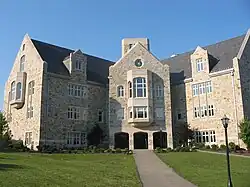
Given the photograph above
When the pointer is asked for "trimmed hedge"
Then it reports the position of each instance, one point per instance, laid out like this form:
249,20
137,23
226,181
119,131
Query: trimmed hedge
177,149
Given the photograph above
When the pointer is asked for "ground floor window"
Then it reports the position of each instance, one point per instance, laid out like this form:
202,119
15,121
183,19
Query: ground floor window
28,138
75,138
205,136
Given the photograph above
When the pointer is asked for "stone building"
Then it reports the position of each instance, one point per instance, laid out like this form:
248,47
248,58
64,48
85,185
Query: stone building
55,95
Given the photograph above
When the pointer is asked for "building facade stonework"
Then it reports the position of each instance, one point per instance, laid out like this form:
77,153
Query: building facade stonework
55,96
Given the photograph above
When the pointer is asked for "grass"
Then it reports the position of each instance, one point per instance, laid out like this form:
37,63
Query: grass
61,170
208,169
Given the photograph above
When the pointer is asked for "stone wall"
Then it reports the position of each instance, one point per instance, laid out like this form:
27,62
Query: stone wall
33,66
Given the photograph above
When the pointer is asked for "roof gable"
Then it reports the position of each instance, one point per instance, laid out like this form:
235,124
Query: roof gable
221,55
97,68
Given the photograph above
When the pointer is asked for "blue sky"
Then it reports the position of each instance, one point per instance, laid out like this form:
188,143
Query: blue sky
97,26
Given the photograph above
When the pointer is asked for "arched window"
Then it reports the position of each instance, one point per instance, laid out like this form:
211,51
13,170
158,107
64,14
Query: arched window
22,60
139,84
31,87
130,89
13,90
120,91
18,90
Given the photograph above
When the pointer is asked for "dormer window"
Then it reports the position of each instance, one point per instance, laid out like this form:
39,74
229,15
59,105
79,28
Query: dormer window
78,65
120,91
199,65
22,61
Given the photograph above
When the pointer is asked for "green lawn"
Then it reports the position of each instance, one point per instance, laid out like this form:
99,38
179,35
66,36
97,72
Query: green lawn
54,170
208,170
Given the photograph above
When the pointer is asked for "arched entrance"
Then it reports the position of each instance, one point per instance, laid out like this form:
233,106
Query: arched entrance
121,140
160,139
140,140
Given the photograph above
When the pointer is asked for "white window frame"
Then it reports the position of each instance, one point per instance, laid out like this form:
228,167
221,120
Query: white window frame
210,110
74,138
130,89
199,64
100,116
30,112
18,90
209,87
78,65
198,136
22,62
140,110
195,88
28,138
76,90
13,90
140,86
212,135
130,111
120,91
159,91
74,113
202,88
31,89
196,112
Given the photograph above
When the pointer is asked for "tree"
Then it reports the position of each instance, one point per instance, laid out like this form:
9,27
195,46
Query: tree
5,133
184,133
245,132
95,136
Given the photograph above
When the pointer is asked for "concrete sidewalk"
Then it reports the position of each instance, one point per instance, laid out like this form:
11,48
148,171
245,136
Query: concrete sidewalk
154,173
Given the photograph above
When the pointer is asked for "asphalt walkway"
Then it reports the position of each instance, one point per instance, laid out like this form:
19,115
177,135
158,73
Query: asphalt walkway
154,173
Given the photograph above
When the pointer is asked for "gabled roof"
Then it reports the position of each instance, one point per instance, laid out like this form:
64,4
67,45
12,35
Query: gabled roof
220,57
97,68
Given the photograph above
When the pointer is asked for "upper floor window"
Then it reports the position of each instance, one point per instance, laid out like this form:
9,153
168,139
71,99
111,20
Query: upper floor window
74,113
158,91
199,64
139,85
23,48
13,90
202,88
18,90
100,116
203,111
78,65
22,61
130,89
140,112
130,46
76,90
120,91
31,86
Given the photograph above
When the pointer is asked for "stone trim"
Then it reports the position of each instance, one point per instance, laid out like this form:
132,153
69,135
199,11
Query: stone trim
58,75
222,72
243,45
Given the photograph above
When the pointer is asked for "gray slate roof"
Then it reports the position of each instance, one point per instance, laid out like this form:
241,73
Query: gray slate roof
97,68
220,58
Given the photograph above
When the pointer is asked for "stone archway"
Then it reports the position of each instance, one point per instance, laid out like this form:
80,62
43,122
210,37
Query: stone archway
121,140
140,140
160,139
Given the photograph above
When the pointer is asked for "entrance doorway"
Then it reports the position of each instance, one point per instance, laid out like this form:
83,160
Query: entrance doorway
121,140
140,140
160,139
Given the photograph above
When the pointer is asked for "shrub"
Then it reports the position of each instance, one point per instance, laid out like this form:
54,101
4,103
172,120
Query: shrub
118,150
245,132
130,152
223,147
199,145
177,149
207,147
214,147
169,149
158,149
231,145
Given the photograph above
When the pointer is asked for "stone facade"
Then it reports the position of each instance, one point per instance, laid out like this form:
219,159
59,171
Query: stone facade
61,108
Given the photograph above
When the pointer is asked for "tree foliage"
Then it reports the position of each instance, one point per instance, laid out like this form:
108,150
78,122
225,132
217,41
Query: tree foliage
245,132
184,133
95,136
5,133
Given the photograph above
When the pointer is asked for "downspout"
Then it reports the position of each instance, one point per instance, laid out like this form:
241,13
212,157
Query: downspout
235,106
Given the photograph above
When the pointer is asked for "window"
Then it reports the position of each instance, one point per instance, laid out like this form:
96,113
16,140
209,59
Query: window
140,112
30,112
198,137
130,112
31,86
212,136
179,116
209,87
100,116
120,91
159,113
202,88
76,90
13,90
120,114
28,138
18,90
207,136
158,91
139,85
74,113
130,46
196,112
78,65
22,61
199,64
74,138
203,111
23,48
210,110
130,89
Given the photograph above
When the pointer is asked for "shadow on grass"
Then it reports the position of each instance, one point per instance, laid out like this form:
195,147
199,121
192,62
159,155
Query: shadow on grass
4,167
